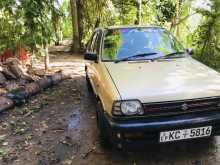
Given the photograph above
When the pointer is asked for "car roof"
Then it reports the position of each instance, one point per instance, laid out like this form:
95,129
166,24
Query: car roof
127,27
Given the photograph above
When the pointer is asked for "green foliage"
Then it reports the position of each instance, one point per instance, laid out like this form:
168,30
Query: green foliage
101,16
36,23
11,24
38,29
207,36
66,20
166,11
25,21
127,11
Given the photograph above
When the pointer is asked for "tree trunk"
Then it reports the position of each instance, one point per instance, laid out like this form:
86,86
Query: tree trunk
80,21
46,57
122,12
56,20
139,12
75,26
178,17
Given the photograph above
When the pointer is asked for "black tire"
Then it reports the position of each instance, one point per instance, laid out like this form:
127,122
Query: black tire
105,133
102,126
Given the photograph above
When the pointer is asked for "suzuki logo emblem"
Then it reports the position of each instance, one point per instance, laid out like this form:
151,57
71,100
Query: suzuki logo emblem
185,107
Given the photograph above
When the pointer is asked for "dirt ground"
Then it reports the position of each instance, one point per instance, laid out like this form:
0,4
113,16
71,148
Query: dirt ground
58,127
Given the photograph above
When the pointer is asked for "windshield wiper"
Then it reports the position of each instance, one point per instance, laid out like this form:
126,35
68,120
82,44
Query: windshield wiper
134,56
170,55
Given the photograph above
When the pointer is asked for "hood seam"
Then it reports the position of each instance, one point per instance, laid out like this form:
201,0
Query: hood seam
113,81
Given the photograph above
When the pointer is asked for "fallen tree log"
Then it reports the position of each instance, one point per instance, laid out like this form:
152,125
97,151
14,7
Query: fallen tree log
11,86
18,96
22,94
2,79
8,74
32,89
15,66
2,91
57,77
45,82
5,103
13,69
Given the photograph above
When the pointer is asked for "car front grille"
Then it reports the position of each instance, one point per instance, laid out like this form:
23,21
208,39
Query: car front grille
182,107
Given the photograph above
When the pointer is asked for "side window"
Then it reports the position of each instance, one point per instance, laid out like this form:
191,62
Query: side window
98,42
93,43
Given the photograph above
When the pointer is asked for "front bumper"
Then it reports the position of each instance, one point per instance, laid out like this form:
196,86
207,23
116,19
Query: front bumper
149,129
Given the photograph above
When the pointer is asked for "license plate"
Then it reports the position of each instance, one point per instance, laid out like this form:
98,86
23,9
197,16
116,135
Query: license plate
182,134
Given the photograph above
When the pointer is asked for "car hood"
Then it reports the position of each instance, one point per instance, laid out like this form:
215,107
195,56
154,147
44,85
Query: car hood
164,80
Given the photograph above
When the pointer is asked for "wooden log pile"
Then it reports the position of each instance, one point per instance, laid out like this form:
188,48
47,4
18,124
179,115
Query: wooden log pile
12,69
18,84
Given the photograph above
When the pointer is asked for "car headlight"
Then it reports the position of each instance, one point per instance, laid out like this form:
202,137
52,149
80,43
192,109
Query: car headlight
128,108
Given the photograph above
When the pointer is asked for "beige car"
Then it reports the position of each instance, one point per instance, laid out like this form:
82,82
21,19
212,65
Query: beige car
149,88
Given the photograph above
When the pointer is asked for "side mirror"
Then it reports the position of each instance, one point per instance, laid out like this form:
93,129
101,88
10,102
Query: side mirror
91,56
190,51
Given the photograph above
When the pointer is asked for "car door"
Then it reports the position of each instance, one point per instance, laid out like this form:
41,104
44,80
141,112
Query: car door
92,67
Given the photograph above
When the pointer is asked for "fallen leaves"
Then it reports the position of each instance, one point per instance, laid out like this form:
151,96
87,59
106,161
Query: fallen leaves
39,127
18,127
44,127
3,152
2,137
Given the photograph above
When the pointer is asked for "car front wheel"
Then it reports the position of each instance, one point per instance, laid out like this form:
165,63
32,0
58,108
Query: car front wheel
101,124
107,137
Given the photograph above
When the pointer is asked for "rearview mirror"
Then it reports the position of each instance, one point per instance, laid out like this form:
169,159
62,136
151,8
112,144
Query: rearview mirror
91,56
189,51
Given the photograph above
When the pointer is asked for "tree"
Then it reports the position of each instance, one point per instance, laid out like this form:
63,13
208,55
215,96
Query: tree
38,32
75,25
11,24
207,37
26,22
57,20
166,11
86,16
36,23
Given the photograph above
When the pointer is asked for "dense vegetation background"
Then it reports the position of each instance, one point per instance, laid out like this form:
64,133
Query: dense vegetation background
35,24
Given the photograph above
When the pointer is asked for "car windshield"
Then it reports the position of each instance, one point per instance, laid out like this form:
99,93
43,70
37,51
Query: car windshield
130,42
